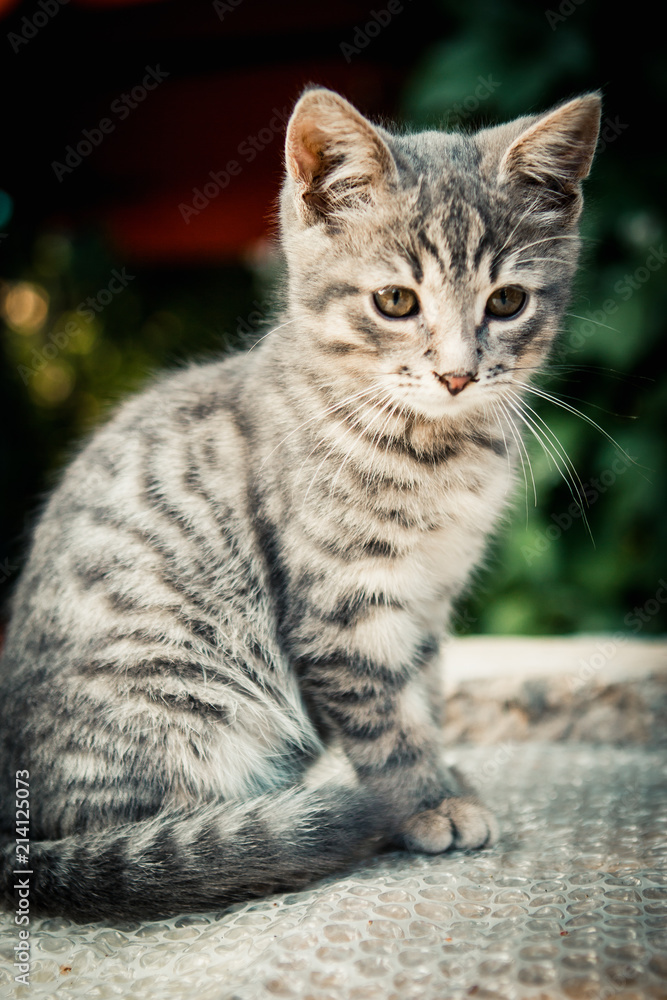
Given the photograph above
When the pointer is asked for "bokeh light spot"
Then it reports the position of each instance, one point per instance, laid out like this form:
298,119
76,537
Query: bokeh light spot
25,306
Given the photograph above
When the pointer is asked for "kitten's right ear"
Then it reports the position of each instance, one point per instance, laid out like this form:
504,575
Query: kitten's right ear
559,146
335,157
553,154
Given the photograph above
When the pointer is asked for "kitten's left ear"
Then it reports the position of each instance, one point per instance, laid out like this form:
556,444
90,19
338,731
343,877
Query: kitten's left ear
335,157
556,150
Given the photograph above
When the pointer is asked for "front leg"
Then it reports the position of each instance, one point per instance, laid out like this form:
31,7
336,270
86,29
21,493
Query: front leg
383,720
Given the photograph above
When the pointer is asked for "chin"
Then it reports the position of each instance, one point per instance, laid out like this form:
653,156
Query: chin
445,407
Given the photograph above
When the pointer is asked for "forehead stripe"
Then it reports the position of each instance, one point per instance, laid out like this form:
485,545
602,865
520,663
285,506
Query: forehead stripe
430,248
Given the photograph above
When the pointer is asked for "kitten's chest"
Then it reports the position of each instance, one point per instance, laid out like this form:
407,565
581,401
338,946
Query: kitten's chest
375,579
451,512
457,513
429,543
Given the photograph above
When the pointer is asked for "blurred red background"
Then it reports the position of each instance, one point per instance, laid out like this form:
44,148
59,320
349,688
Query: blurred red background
228,67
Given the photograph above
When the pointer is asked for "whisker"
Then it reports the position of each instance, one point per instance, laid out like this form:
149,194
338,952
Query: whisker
535,260
588,319
502,431
599,369
351,429
546,239
274,330
520,444
559,371
318,416
602,409
577,413
525,215
366,395
378,403
568,473
348,453
556,442
378,435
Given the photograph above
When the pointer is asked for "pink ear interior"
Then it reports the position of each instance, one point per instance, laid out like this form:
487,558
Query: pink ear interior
304,148
330,143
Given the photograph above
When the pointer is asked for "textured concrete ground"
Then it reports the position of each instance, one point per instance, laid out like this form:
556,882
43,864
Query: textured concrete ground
571,903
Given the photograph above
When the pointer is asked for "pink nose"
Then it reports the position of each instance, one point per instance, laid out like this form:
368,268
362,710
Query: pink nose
455,383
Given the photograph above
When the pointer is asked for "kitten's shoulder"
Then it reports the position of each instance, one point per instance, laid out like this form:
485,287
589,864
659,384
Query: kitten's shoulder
183,396
174,410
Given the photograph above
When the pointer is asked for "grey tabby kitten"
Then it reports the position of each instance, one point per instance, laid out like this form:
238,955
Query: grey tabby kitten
221,671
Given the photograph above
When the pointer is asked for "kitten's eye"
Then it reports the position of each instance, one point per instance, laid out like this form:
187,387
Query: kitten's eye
506,302
396,302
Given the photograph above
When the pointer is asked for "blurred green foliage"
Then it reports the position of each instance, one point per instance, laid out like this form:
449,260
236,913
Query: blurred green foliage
67,361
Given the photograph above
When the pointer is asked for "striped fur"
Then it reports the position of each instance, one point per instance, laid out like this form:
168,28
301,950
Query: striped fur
221,666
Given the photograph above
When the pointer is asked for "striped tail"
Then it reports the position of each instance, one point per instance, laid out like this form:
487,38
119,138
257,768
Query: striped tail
204,859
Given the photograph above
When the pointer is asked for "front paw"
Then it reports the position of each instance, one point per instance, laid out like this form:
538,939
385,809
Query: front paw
456,822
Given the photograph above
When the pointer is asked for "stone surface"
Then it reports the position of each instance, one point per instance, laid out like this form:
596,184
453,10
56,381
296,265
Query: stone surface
595,689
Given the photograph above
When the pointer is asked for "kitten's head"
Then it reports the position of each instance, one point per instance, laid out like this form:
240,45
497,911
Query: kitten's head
429,264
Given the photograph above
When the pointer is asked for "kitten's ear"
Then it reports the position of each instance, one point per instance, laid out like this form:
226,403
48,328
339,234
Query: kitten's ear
556,150
334,156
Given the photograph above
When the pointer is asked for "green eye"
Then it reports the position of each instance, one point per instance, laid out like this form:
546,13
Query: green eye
506,302
396,302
